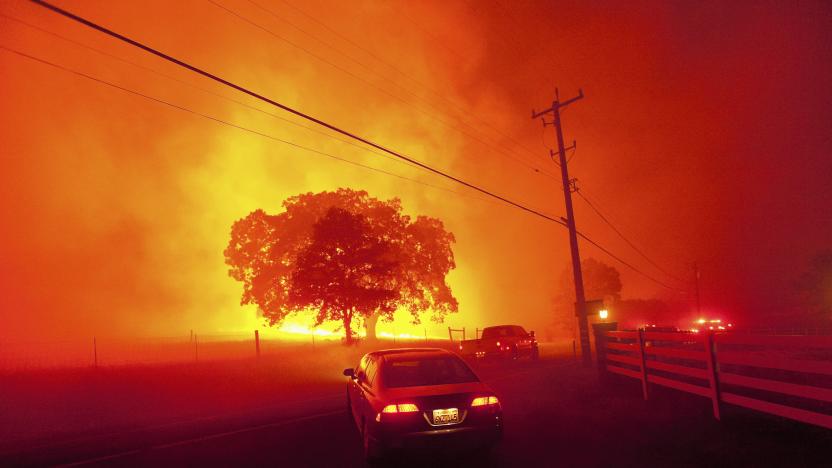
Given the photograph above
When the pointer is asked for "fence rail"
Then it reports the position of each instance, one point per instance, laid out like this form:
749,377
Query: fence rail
787,376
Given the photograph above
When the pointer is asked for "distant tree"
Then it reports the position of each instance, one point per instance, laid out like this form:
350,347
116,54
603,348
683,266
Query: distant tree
601,281
815,289
349,256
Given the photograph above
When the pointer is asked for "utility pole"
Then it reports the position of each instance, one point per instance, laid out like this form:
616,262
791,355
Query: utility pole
568,188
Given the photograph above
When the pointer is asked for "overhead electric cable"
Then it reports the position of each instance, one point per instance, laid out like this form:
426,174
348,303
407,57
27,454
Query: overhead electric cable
621,235
627,264
227,123
394,68
389,93
291,110
206,91
332,127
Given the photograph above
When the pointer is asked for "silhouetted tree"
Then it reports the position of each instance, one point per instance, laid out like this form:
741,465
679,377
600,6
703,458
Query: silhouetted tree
345,254
815,289
601,281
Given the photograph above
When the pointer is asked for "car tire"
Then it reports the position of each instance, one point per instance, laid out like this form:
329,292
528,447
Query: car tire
372,451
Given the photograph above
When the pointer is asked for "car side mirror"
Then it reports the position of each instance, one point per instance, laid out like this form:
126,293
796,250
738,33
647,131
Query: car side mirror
349,372
531,333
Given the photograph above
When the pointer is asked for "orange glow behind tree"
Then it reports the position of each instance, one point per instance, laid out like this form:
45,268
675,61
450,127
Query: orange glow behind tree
704,137
345,255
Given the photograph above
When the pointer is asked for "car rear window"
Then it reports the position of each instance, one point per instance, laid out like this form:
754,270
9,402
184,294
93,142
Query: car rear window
437,370
508,330
497,332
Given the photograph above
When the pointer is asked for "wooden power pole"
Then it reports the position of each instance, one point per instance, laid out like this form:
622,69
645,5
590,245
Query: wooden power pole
568,188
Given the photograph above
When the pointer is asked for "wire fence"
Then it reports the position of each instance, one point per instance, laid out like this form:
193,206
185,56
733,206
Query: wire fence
111,351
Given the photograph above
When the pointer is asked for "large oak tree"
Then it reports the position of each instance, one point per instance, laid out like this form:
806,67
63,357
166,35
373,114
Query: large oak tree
345,255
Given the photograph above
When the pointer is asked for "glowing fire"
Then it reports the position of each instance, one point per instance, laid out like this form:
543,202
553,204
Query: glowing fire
297,330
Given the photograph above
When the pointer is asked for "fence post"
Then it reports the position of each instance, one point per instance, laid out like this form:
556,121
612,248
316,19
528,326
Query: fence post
257,342
713,373
426,336
644,387
600,350
450,336
463,333
196,348
95,353
313,339
600,331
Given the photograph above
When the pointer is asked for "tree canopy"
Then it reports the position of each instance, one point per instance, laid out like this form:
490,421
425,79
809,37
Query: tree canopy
815,289
601,281
345,255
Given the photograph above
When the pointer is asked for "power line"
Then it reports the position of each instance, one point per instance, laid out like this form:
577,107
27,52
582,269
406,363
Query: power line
227,123
620,234
248,106
286,108
212,93
322,123
385,91
287,142
391,66
627,264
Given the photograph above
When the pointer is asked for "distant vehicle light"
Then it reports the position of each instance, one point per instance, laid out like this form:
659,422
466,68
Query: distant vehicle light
721,327
460,347
700,320
485,401
401,408
730,324
498,344
603,314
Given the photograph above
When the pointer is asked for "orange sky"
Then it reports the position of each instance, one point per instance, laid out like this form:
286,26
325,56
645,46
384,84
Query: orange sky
703,135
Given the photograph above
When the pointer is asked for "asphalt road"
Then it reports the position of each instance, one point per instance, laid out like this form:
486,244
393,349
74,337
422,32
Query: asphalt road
555,415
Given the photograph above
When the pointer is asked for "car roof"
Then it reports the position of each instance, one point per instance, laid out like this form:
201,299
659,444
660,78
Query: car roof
410,353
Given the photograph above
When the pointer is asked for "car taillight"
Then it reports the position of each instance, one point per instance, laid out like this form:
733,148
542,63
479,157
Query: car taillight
401,408
485,401
498,344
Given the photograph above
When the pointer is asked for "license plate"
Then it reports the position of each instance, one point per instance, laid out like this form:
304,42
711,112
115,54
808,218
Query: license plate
445,416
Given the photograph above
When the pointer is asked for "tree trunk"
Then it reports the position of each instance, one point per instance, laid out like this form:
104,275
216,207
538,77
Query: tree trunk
347,330
370,326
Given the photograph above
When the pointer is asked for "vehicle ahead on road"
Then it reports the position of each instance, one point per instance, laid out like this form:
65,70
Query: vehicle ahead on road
419,398
503,341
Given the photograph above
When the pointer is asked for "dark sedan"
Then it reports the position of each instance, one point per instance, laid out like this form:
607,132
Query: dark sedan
420,397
